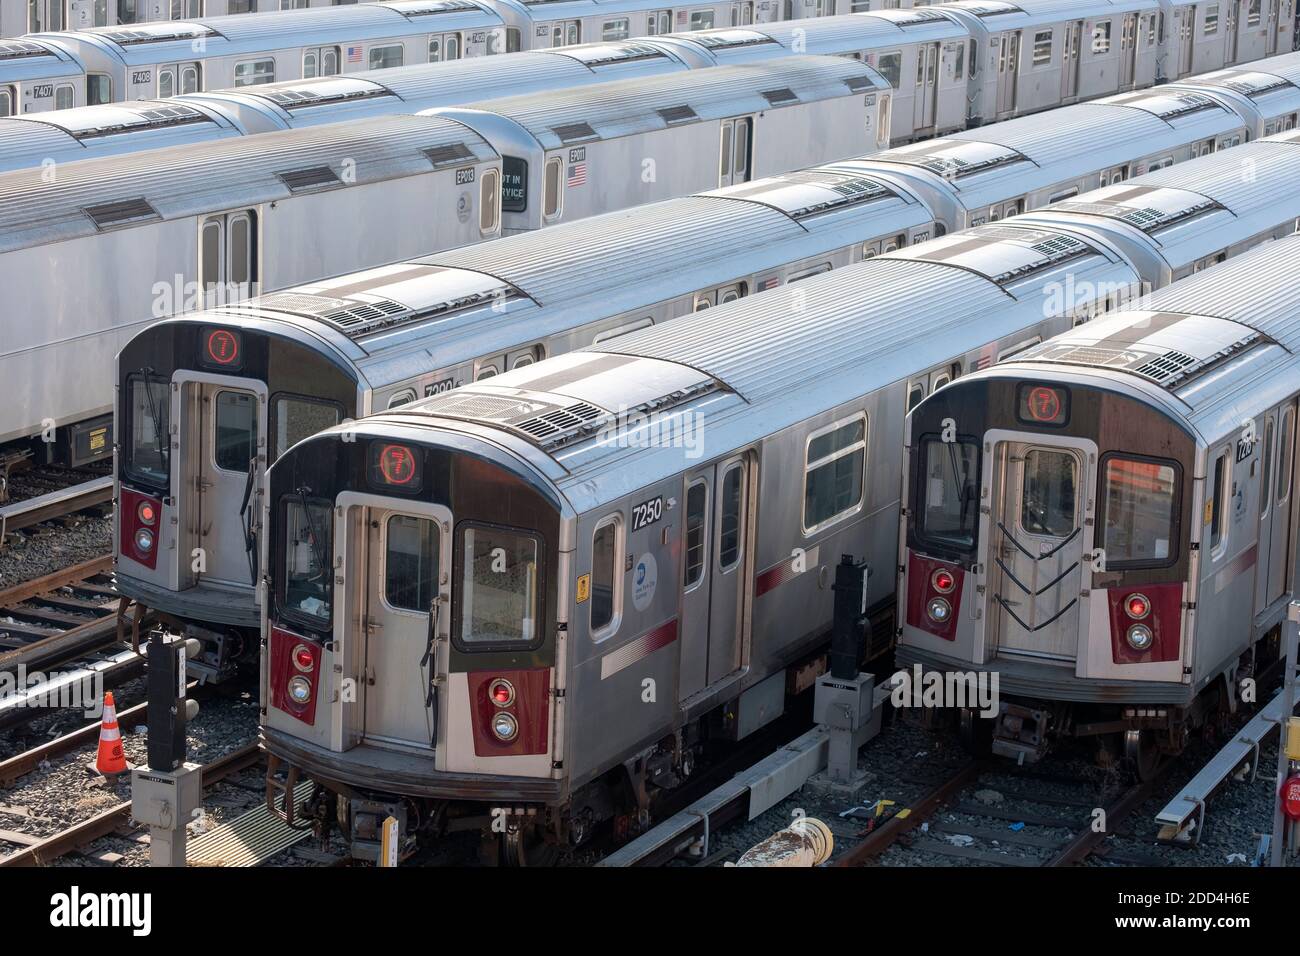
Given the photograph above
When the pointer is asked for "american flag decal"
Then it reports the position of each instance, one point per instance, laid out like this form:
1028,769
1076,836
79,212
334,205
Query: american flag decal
578,175
354,54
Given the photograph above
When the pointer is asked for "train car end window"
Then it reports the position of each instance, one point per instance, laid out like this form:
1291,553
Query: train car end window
299,418
7,101
411,550
606,579
1140,501
948,489
149,422
552,201
499,600
235,435
834,467
99,89
307,588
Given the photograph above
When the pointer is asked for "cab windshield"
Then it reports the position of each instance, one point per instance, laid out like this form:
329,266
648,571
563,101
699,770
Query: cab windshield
147,413
949,493
499,592
308,545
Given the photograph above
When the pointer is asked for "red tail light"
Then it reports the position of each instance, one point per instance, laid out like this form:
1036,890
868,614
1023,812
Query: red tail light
139,527
293,674
933,596
1146,625
511,712
1137,606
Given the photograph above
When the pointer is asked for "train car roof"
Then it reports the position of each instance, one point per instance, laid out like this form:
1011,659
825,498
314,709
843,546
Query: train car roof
1005,15
87,131
449,83
1272,84
749,368
1052,147
30,58
562,117
97,195
166,40
1214,350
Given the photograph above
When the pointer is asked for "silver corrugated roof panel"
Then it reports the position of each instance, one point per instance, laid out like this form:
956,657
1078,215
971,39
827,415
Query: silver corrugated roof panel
1050,137
185,180
1231,177
24,143
630,106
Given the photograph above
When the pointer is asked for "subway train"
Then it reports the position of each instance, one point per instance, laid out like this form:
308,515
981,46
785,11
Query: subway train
476,312
209,223
1040,54
1110,528
582,18
533,604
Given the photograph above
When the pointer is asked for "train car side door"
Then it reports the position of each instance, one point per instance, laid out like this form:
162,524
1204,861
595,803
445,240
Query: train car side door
408,552
1128,51
1041,504
927,86
1070,60
1281,547
697,577
1186,41
1008,70
729,556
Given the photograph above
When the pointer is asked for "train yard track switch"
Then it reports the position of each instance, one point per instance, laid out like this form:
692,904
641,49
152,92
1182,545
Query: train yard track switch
845,699
165,794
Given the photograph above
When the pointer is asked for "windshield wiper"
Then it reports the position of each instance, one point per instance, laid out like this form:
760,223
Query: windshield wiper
155,412
311,529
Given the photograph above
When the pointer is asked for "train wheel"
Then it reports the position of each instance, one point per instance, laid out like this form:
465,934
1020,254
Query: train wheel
527,846
1142,752
976,733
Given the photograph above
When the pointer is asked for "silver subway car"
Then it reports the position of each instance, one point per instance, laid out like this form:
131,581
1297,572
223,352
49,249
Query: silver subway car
1137,536
552,592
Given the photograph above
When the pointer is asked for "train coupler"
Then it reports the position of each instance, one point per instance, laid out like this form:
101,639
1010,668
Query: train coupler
1020,733
367,819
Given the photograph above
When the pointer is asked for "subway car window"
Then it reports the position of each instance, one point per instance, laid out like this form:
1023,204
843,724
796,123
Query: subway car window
1047,502
950,488
411,563
99,89
299,418
308,550
1219,490
604,574
1286,455
499,597
149,415
1141,505
729,525
236,431
697,523
833,470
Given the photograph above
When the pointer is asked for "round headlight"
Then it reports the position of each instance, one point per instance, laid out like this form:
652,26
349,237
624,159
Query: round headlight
943,580
505,726
939,610
1140,637
1137,606
303,658
147,512
144,540
502,692
299,690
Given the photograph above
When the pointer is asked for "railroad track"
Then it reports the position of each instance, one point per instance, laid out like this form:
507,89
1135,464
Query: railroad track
41,851
983,815
60,503
71,622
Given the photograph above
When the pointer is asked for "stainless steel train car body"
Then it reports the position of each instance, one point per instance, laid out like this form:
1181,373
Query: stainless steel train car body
38,75
622,603
163,59
1185,408
568,154
18,17
453,318
258,203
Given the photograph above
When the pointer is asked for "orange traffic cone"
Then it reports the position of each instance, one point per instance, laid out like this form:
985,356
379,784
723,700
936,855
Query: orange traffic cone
110,760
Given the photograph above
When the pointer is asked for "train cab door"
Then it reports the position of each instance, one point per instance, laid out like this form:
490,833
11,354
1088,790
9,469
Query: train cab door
1008,70
405,619
1041,505
224,430
716,535
927,86
1070,60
